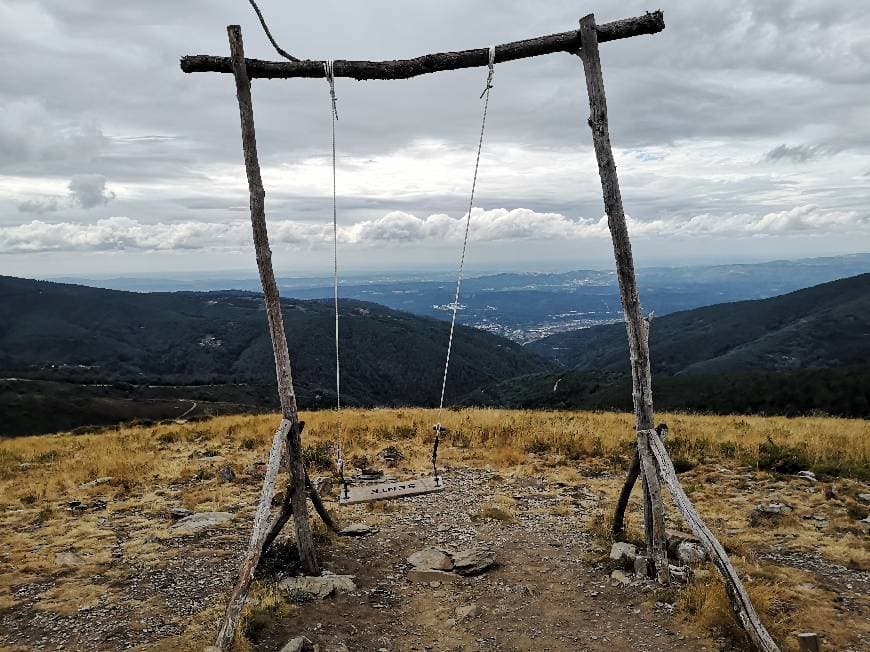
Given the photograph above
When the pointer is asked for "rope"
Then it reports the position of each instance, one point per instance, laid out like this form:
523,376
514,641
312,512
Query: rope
330,77
485,94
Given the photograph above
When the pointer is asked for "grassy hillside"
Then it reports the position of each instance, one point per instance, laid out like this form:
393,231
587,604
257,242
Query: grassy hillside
73,333
68,576
824,326
841,391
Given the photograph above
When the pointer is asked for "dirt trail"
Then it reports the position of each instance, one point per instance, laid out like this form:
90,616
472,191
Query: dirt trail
544,594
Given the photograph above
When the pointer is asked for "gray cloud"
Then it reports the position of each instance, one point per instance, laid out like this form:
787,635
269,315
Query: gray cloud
89,190
797,153
712,109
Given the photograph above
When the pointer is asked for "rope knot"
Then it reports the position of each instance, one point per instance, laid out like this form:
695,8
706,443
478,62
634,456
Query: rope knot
329,73
491,71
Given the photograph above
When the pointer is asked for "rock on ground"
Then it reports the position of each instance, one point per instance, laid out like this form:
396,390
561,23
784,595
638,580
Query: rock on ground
358,530
473,561
201,521
298,644
624,553
691,553
431,559
317,587
467,612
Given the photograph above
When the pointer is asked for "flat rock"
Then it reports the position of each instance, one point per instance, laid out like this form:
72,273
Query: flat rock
467,612
358,530
431,559
68,559
619,578
809,476
473,561
624,553
691,553
227,474
675,537
96,482
768,512
317,586
864,498
429,576
298,644
201,521
177,513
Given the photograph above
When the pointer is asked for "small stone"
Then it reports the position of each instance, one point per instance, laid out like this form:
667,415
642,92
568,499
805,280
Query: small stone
768,513
624,553
298,644
473,561
619,578
358,530
809,476
435,584
431,559
227,474
97,482
691,553
322,485
675,537
864,498
641,566
426,576
467,613
177,513
317,586
201,521
68,559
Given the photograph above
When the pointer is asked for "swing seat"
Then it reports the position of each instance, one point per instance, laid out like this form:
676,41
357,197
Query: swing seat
388,490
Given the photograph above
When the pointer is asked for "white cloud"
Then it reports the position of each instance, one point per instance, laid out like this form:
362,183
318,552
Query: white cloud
518,224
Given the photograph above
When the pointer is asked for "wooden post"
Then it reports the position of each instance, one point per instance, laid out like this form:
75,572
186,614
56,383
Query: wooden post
636,326
289,433
737,595
809,642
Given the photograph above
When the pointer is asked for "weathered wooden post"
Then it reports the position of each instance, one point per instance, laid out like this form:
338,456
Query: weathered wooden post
288,433
636,326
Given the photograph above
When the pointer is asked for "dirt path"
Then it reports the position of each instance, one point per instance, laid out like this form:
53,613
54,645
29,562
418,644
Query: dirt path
544,594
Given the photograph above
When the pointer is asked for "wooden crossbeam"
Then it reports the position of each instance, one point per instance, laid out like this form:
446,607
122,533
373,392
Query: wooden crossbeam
650,23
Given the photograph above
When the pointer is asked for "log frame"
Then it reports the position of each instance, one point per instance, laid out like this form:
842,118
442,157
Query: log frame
741,605
650,23
636,326
288,434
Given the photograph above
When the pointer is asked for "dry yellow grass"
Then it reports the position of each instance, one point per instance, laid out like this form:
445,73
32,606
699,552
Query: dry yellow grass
152,467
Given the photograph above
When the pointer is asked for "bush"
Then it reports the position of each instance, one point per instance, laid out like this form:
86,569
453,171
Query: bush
782,458
319,456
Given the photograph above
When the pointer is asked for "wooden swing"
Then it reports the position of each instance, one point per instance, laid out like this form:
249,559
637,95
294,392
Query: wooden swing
652,463
364,492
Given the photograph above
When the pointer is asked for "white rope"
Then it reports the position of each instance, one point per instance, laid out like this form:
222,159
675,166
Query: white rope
484,94
330,77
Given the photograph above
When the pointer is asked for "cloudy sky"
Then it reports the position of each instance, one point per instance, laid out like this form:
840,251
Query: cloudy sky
742,132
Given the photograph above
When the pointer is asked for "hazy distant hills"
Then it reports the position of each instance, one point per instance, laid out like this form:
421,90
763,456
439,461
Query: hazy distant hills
803,352
823,326
530,305
75,333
